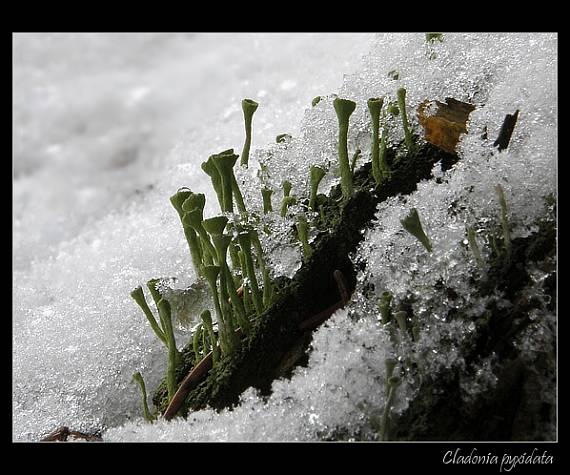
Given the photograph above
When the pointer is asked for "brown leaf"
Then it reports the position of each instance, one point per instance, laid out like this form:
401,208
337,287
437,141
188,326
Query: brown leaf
444,128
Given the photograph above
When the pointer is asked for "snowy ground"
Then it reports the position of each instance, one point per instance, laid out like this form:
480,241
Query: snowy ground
107,127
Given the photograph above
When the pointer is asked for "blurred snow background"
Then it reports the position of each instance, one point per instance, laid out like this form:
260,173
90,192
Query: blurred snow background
108,126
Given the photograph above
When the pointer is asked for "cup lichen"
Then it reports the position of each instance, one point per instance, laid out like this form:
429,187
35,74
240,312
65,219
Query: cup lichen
344,109
249,106
412,224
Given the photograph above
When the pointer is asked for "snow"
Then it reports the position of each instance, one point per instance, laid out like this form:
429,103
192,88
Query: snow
97,130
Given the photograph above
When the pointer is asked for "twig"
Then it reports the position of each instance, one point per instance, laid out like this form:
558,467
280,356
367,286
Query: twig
61,434
191,380
506,132
342,286
313,322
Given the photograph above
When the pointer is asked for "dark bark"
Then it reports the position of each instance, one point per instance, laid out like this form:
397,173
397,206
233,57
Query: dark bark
506,132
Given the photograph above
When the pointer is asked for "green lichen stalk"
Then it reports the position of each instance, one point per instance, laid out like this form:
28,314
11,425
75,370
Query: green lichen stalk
472,240
246,294
211,274
194,219
412,224
303,233
193,209
238,196
244,239
384,305
382,163
504,219
401,318
407,130
173,353
177,201
267,284
206,318
229,315
151,285
266,195
210,169
316,175
224,163
138,296
287,198
215,227
393,383
249,107
344,108
375,108
137,377
354,160
165,321
196,344
222,242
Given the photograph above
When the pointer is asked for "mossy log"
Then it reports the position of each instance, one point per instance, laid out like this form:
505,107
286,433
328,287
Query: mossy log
277,341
